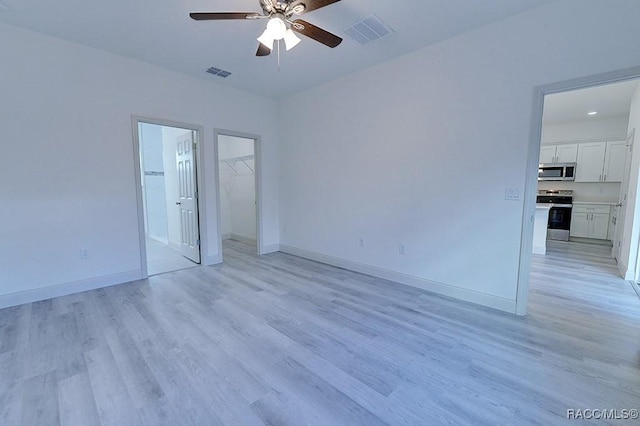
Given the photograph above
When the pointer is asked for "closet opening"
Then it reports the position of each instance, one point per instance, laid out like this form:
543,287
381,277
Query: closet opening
238,181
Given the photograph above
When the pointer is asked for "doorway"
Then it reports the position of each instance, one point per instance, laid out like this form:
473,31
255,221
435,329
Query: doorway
168,186
238,184
604,191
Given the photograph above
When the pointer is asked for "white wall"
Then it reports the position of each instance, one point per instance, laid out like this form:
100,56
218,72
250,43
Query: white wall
631,234
237,187
590,130
68,163
154,185
419,150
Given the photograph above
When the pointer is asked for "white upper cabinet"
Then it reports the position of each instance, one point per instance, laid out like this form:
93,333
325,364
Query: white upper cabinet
590,162
614,161
601,161
547,154
565,153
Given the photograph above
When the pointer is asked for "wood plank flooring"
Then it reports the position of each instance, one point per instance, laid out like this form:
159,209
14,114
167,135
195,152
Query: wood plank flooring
279,340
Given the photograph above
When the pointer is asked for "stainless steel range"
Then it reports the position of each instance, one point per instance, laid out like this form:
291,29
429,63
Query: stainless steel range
561,202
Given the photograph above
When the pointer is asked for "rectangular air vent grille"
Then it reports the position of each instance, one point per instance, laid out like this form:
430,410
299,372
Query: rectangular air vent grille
368,30
218,72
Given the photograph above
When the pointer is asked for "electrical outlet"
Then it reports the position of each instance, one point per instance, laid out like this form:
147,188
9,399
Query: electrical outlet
361,241
401,249
84,253
512,194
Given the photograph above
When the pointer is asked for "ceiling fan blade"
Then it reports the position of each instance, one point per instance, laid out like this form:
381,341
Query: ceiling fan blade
263,50
316,33
206,16
311,4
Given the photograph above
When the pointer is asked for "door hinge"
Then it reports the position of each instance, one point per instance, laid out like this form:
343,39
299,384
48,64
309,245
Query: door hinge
195,194
198,242
194,145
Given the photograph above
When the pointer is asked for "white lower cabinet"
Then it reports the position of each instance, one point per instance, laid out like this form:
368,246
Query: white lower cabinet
590,221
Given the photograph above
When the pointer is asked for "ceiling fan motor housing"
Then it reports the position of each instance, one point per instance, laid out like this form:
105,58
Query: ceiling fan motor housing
271,7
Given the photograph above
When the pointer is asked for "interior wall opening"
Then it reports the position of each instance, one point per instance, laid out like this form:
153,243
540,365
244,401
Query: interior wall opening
169,197
237,188
586,194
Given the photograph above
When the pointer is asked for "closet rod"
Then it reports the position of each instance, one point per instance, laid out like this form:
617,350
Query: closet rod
234,160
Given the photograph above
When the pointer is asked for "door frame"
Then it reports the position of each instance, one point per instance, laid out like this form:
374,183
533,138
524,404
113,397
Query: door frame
136,120
616,250
257,152
533,155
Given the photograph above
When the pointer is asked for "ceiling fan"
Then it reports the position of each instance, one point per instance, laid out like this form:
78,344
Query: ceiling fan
281,23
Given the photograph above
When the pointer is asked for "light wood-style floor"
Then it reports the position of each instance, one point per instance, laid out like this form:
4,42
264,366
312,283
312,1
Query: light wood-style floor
162,259
279,340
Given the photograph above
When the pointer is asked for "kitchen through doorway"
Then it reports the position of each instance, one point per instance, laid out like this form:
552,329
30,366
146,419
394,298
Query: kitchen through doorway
168,178
584,174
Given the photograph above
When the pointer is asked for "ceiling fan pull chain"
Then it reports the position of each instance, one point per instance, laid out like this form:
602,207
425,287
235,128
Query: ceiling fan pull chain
278,55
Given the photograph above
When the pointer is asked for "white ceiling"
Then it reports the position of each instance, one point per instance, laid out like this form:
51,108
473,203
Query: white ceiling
609,101
161,33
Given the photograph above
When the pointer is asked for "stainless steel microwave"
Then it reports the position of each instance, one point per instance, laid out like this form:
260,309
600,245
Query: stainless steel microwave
557,171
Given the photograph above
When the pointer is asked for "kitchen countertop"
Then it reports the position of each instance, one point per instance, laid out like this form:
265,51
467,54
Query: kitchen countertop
597,203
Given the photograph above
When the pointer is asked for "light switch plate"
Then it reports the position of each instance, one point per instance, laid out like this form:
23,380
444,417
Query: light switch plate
512,194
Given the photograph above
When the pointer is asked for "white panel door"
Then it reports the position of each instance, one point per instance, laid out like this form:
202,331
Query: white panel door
188,202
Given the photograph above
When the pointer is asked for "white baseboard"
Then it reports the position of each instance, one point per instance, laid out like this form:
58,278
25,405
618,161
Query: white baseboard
211,260
483,299
161,240
244,238
539,249
35,295
625,272
635,287
270,248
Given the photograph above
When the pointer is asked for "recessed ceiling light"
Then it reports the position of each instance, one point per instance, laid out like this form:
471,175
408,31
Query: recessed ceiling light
592,113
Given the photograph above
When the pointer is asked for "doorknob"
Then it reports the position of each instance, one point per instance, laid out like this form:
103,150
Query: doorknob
178,203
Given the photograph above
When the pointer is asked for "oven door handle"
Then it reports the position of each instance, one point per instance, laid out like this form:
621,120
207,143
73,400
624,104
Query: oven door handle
561,205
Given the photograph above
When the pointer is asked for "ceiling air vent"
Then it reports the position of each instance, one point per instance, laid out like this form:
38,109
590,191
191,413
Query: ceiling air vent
218,72
368,30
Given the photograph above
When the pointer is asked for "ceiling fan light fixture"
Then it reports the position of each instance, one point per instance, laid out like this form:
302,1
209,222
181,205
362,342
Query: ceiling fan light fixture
277,28
266,39
290,39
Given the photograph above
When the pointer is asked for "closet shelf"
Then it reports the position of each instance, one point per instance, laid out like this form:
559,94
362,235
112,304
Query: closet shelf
231,162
